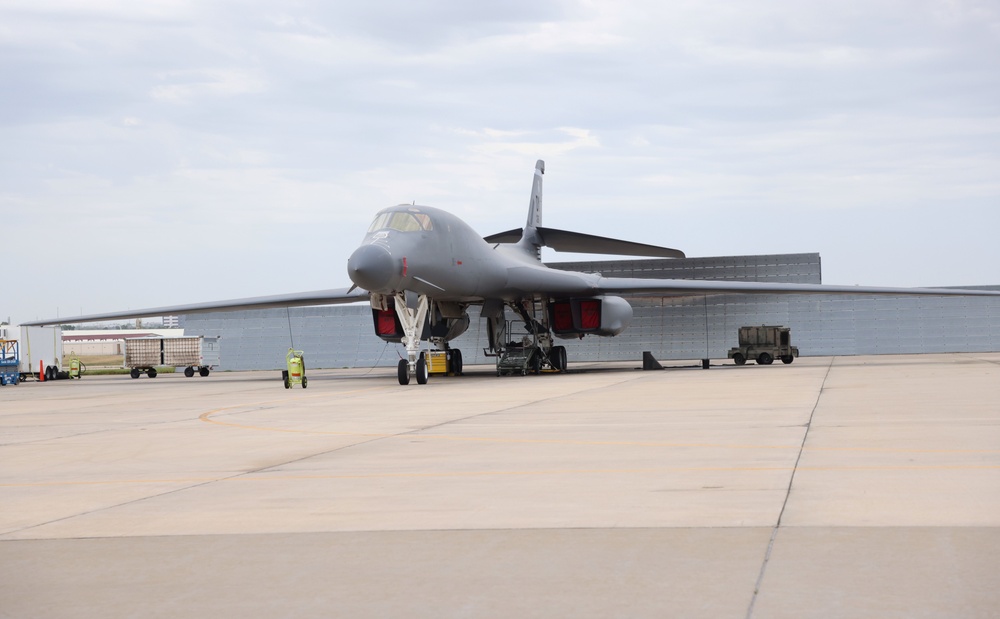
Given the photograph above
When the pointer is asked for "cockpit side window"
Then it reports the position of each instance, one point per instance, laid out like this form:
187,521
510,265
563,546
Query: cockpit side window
379,222
402,221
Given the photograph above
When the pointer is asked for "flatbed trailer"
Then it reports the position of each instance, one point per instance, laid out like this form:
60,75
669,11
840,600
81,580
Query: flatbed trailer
195,354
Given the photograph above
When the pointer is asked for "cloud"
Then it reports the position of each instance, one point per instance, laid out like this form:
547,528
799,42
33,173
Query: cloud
689,117
184,86
495,142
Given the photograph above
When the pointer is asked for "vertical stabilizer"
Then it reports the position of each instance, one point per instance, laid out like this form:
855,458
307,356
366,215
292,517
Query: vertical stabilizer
530,241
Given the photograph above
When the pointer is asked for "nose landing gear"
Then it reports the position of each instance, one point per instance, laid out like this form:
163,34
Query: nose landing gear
420,371
412,320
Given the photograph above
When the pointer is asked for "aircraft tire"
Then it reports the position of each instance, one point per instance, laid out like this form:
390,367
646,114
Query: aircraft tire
422,371
456,362
403,372
557,357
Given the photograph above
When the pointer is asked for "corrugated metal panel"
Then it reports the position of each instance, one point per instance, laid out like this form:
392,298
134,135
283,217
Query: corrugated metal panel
671,328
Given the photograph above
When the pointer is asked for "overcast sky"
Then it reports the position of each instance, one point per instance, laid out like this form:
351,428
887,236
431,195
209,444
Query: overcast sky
161,152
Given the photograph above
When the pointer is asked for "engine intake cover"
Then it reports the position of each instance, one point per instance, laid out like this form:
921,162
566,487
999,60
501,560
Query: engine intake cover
604,316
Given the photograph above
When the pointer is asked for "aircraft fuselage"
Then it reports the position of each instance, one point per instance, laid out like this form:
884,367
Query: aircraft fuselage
432,252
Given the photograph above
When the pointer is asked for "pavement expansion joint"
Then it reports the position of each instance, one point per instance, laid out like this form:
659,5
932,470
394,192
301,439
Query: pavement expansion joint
788,493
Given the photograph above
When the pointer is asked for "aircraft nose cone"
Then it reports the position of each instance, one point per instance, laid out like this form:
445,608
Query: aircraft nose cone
371,267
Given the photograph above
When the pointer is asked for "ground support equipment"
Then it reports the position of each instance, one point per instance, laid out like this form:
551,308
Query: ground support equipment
9,362
295,374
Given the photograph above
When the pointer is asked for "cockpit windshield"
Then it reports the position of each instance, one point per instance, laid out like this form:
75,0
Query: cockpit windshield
402,221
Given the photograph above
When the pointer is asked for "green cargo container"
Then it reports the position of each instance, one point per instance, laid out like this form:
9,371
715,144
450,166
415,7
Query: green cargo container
764,344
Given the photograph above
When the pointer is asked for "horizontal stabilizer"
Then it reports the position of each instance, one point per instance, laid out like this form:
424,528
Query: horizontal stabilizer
563,240
510,236
577,242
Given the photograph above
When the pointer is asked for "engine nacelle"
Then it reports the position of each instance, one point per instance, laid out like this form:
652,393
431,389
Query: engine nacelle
603,316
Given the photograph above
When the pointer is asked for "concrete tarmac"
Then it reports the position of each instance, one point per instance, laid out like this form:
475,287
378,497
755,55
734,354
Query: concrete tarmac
832,487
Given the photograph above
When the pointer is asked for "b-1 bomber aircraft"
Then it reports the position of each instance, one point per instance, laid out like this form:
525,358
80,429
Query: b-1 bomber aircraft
421,268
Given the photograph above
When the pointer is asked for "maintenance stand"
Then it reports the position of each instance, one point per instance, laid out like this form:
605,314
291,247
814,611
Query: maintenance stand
10,374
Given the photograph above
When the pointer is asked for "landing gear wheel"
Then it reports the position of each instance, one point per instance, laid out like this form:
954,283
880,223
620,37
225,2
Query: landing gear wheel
189,371
456,362
134,373
765,358
536,363
403,372
151,372
422,370
203,372
787,359
739,359
557,357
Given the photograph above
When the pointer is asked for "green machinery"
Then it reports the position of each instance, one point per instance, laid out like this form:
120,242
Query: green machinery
76,368
764,344
296,372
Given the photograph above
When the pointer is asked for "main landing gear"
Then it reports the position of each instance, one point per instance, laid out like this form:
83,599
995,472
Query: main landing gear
534,352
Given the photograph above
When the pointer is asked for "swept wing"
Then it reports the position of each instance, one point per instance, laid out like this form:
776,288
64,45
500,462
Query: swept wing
632,286
331,296
526,281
